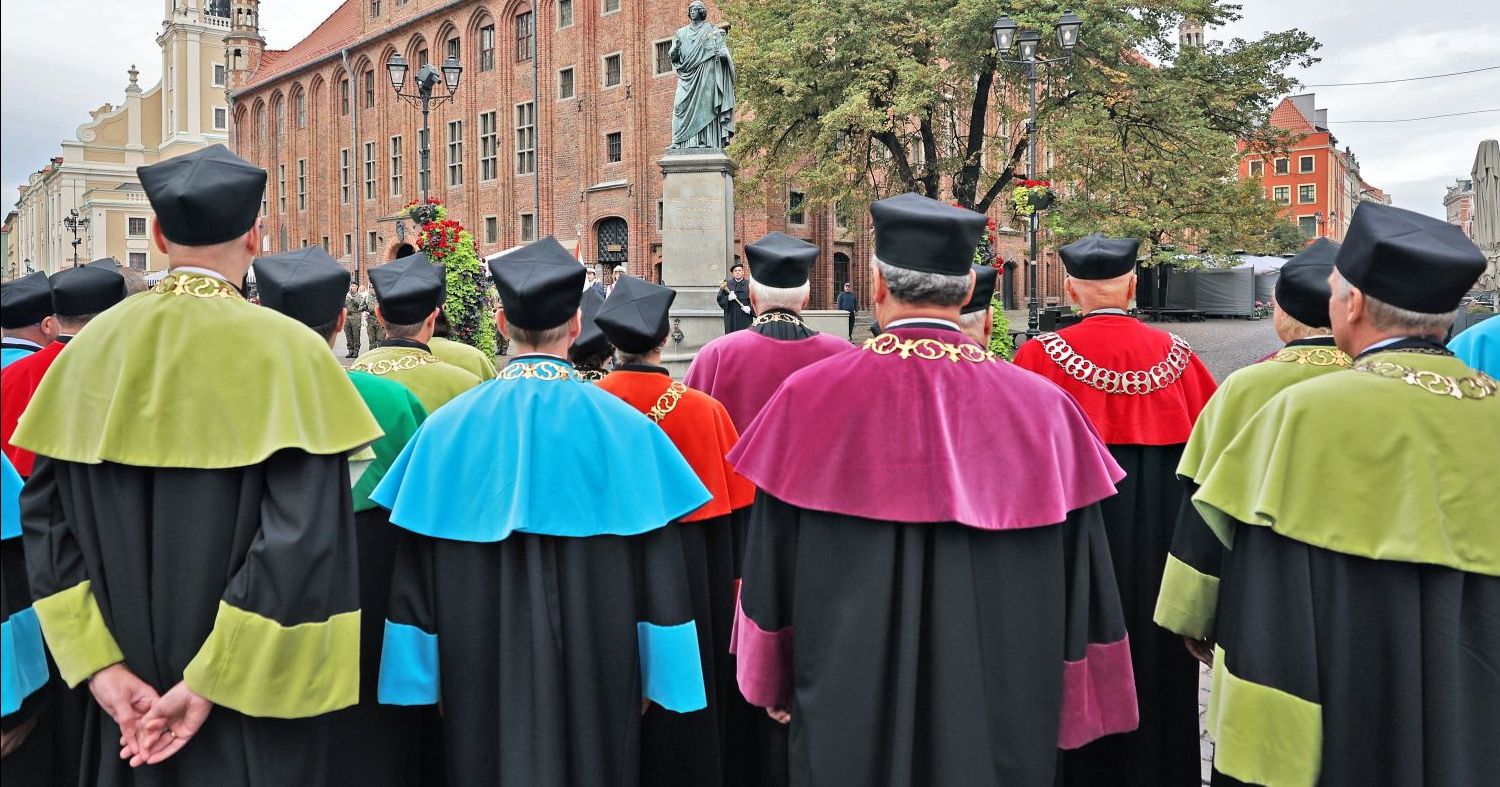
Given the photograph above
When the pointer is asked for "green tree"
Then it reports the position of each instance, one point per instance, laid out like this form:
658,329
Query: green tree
862,98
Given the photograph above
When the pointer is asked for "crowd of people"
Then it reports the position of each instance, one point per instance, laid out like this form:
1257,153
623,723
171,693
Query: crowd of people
230,561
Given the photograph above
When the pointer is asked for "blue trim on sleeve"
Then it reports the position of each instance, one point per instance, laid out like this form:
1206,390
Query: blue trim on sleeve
10,499
23,660
671,673
408,666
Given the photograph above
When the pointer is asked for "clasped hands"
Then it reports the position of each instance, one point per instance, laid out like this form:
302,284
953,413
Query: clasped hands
153,727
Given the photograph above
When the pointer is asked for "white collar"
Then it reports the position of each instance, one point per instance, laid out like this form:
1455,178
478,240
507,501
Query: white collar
910,320
200,271
16,340
1381,343
1108,311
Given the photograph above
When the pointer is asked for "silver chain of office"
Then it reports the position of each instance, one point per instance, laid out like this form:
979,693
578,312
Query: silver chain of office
1138,383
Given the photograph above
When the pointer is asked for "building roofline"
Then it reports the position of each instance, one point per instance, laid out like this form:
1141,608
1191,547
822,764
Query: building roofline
337,51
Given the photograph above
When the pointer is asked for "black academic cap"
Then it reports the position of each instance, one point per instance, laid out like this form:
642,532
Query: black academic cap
205,197
87,289
1302,288
1408,260
540,284
591,341
25,301
306,285
984,289
634,316
922,234
781,261
408,289
1097,257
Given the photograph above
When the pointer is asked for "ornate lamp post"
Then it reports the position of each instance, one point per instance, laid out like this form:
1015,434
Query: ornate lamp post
427,79
1007,40
74,223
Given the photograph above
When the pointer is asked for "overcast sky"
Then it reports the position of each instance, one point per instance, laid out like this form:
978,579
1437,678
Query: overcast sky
60,59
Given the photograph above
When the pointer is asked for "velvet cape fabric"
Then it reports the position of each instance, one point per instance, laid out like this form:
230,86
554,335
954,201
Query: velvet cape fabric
691,748
1123,343
944,415
145,382
1358,605
895,594
18,384
741,370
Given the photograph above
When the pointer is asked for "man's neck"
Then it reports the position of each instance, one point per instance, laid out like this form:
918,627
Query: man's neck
1361,343
1091,307
230,272
896,314
557,350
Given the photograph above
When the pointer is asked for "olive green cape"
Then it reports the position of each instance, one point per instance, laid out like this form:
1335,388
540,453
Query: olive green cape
470,359
1368,466
188,374
432,380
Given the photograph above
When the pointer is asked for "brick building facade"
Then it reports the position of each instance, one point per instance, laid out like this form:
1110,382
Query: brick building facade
1318,183
342,152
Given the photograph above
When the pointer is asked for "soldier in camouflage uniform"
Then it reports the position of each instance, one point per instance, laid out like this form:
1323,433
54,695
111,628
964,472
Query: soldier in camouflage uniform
372,323
354,302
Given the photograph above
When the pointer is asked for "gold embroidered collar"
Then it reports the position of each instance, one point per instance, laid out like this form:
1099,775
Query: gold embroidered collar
547,371
407,360
1476,386
667,402
927,349
590,375
1312,356
777,317
198,286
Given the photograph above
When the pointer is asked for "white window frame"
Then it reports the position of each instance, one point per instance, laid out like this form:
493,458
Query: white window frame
145,227
1276,165
1314,187
1277,199
604,70
221,118
1312,168
1257,164
1314,220
130,258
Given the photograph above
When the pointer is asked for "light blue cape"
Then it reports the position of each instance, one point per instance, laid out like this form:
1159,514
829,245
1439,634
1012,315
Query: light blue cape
552,457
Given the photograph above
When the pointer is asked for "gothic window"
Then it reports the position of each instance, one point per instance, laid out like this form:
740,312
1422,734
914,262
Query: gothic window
524,36
487,48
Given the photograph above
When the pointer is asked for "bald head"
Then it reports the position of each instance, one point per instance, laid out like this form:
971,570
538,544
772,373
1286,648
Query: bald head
1094,294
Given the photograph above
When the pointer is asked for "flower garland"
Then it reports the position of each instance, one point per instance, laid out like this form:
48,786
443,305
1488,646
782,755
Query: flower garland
468,306
1032,196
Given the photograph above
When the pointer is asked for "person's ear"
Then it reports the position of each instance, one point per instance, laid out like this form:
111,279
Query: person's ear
157,237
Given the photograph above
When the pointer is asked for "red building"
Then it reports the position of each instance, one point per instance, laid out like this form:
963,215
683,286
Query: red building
1319,184
575,156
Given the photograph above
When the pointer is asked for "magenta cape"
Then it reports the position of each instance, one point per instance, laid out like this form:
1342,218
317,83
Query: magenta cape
913,440
742,369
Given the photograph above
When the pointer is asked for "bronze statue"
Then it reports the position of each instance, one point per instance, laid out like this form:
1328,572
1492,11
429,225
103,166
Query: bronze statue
703,110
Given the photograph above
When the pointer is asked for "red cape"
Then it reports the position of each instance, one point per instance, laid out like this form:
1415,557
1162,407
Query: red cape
1123,343
700,428
17,384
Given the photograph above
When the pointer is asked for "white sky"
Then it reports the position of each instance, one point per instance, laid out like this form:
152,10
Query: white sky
61,58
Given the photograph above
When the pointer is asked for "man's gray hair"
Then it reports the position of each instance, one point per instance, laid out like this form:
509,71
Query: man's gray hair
917,287
1394,319
789,298
973,319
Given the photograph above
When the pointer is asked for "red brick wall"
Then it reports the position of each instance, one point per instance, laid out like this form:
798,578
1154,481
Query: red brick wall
571,133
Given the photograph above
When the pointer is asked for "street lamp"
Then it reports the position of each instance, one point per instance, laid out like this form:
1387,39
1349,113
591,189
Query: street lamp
1008,38
427,79
75,223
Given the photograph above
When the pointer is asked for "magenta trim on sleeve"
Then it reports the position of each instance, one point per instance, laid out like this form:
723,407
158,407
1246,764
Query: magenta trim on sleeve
1098,696
763,661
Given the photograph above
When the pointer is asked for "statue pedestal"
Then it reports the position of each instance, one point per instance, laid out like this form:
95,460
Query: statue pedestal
697,245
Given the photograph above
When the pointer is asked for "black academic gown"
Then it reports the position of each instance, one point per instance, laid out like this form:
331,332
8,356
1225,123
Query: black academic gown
539,674
935,645
161,548
735,318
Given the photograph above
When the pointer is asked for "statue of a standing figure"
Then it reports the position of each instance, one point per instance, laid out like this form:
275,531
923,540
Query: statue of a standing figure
703,111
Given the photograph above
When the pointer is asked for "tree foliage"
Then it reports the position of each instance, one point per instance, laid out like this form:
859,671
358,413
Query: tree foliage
864,98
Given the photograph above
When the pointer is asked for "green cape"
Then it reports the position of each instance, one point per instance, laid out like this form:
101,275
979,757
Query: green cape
399,413
1246,391
1368,466
424,374
470,359
190,375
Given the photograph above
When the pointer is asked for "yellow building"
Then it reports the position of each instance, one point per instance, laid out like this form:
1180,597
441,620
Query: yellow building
95,175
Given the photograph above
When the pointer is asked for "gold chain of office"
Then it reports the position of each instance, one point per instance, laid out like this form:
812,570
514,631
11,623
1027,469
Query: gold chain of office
196,285
1476,386
667,402
413,359
1135,382
1312,356
777,317
542,370
927,349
